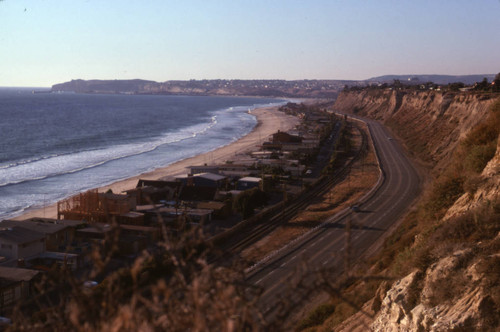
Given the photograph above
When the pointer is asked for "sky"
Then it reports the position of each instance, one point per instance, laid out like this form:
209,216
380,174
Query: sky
45,42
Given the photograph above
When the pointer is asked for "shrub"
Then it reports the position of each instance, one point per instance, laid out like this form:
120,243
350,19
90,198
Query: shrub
444,193
316,317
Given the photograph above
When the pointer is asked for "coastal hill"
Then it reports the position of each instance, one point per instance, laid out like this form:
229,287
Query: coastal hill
268,88
440,269
437,79
264,88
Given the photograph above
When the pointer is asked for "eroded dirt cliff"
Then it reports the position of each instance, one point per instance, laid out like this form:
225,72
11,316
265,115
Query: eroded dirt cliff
430,123
446,265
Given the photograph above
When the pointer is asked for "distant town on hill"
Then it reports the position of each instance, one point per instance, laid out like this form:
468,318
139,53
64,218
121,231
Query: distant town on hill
266,88
437,79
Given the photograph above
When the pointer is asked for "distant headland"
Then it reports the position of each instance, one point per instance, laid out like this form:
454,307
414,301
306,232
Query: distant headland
266,88
262,88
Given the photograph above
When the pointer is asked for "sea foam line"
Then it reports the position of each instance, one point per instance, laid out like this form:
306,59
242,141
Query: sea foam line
56,165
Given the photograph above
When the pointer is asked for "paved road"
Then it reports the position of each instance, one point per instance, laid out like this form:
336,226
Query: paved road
324,249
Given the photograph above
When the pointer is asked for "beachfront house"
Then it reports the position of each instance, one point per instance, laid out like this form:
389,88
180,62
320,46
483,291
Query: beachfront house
20,243
152,191
57,235
193,170
15,284
248,182
203,180
283,137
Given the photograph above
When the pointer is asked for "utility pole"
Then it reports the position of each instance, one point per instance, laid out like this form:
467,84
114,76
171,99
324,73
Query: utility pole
347,261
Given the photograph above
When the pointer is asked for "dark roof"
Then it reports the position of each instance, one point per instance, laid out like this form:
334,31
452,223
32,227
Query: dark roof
19,235
17,274
67,222
97,228
40,227
197,193
212,205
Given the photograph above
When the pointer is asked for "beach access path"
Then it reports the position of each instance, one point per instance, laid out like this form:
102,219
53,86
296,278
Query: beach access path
269,121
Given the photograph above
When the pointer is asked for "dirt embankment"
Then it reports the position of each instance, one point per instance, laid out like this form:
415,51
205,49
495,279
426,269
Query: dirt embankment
430,123
442,268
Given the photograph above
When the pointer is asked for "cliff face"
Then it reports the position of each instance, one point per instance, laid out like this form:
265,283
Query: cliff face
454,283
429,122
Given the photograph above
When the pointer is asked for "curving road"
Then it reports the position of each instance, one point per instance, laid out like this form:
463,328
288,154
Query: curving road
286,279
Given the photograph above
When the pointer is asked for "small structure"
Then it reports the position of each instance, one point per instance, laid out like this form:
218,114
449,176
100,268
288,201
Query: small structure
56,235
49,259
189,193
20,243
220,210
228,169
248,182
193,170
210,180
149,191
195,215
15,284
92,206
203,180
282,137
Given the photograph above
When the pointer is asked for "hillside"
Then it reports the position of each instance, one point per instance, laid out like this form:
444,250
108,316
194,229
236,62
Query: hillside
440,269
438,79
430,123
270,88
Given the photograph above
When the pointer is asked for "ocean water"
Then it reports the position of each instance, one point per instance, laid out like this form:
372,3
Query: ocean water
55,145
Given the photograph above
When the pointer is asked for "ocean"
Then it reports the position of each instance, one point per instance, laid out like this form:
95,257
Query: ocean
54,145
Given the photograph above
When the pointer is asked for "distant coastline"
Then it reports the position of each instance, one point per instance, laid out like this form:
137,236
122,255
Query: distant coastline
327,89
251,88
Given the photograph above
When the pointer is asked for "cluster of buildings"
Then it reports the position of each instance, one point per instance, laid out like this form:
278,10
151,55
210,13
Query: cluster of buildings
137,218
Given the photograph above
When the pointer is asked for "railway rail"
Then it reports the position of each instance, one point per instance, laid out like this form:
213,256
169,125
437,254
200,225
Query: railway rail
280,215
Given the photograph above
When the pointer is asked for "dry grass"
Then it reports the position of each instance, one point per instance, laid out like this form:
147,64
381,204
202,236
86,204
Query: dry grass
170,289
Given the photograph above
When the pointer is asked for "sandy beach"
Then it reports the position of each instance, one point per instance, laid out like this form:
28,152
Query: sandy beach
269,120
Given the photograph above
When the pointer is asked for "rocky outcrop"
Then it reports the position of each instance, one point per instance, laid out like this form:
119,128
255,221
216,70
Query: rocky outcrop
461,290
452,295
488,189
430,123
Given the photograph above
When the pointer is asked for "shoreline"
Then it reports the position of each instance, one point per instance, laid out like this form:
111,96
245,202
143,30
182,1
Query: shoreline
269,120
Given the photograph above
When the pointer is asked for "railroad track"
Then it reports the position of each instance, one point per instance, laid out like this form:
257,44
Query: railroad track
268,223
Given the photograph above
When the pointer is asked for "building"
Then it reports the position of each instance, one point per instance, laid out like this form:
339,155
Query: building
203,180
150,192
93,206
248,182
57,235
282,137
20,243
15,284
193,170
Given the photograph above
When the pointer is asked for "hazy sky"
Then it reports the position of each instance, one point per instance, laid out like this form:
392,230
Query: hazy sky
43,42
